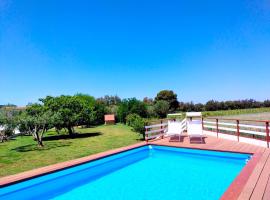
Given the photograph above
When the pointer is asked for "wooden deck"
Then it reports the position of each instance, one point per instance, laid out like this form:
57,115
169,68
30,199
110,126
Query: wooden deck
254,180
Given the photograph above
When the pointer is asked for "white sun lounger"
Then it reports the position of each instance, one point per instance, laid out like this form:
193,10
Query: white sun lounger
194,130
174,128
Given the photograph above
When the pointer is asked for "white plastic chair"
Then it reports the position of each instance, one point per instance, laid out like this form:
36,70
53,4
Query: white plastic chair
194,130
174,128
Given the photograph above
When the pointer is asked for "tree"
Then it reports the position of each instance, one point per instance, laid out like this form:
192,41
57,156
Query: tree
87,99
131,106
99,110
150,111
211,105
70,111
266,103
170,97
8,120
35,120
148,101
161,108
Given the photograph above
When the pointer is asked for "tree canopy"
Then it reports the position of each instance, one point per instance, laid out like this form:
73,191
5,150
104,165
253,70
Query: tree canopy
131,106
62,112
170,97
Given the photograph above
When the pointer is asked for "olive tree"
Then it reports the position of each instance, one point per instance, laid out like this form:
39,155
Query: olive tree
36,120
8,123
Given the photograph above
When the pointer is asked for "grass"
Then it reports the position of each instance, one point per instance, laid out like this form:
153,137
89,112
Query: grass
238,112
22,153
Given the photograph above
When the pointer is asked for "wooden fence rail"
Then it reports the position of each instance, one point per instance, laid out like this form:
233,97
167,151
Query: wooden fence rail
238,127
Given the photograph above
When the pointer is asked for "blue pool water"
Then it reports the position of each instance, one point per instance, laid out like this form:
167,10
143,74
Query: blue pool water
149,172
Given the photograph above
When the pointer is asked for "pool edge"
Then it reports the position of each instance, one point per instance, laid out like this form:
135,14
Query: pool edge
34,173
232,192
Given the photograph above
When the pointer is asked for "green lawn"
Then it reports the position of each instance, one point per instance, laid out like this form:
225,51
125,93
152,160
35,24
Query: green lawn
22,153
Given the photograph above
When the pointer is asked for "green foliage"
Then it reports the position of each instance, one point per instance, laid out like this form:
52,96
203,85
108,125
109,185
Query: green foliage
61,112
87,99
70,111
8,120
136,122
161,108
170,97
131,106
35,120
150,111
130,118
99,111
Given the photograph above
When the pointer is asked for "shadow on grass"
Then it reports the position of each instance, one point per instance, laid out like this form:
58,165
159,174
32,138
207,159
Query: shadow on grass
34,147
74,136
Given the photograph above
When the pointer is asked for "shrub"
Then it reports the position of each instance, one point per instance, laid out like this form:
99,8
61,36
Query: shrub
136,122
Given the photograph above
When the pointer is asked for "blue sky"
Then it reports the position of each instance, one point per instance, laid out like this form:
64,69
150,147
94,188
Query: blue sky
134,48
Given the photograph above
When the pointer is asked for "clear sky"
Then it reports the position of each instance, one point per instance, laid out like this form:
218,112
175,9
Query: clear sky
134,48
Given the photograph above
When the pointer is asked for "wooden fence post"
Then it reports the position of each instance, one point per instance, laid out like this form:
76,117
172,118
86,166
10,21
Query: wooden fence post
217,126
238,130
146,135
267,133
161,128
202,124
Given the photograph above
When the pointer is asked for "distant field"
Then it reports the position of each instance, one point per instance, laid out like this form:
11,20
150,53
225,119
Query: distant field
244,114
255,114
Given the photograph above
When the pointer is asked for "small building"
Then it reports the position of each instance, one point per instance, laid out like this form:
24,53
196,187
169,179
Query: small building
109,119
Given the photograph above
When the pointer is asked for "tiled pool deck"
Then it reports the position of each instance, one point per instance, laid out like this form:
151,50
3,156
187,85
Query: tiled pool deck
252,183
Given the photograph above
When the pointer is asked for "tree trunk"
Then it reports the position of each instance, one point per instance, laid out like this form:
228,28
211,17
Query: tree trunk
70,131
40,143
39,139
42,133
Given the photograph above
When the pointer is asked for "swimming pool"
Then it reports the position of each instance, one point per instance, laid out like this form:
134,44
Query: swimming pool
148,172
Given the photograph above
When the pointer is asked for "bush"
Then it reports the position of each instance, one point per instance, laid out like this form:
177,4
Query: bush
136,122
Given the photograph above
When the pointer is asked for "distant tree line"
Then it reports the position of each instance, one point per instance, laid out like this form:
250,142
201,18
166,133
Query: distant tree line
66,112
223,105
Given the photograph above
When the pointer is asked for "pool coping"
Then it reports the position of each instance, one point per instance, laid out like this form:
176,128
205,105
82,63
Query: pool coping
23,176
232,192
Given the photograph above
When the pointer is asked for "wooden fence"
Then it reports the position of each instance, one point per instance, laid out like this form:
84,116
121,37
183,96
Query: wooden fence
255,129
